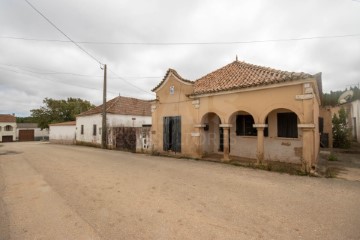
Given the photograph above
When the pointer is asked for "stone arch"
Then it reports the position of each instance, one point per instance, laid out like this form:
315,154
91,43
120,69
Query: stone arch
273,107
210,133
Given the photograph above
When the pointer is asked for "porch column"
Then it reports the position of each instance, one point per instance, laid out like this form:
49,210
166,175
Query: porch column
260,142
307,146
226,133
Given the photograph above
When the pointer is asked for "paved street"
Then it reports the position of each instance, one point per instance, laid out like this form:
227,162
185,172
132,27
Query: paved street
70,192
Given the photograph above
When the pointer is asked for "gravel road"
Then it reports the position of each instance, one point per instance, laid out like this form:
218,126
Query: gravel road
70,192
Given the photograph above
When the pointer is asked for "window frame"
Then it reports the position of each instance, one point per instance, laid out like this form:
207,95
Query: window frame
287,125
244,125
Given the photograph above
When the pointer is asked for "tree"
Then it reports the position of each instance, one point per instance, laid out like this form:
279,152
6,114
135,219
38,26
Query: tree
25,120
56,111
341,130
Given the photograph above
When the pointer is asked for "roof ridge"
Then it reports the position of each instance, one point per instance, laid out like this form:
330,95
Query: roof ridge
240,74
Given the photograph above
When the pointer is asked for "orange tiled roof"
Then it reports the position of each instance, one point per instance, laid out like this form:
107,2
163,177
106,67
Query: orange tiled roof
123,106
238,75
170,70
72,123
7,118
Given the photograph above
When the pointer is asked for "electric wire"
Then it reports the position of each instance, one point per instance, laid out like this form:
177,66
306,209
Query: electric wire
81,48
186,43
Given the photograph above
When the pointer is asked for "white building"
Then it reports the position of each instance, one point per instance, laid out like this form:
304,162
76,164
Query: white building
63,133
355,119
31,132
120,112
7,128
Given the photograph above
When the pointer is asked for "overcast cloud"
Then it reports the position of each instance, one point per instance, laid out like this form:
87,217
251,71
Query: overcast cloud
25,65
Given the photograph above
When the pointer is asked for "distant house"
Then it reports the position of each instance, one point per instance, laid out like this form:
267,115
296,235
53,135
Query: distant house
7,128
31,132
240,110
121,112
353,110
63,133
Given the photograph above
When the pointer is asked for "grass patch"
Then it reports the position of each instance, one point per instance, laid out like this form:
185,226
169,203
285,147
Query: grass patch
331,172
332,157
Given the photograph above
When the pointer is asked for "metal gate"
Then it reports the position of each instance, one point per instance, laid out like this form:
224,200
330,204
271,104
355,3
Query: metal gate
26,135
125,138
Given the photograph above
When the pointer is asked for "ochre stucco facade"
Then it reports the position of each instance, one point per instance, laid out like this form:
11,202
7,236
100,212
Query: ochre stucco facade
204,116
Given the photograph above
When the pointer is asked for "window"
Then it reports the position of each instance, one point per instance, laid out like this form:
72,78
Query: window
244,126
94,130
0,128
82,130
8,128
287,125
100,132
172,134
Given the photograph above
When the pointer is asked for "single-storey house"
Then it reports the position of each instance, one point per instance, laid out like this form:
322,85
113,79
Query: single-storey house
353,113
31,132
63,133
121,112
7,128
239,110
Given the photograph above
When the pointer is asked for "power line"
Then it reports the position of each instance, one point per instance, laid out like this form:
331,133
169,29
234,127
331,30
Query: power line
185,43
73,84
50,72
81,48
48,20
70,84
150,93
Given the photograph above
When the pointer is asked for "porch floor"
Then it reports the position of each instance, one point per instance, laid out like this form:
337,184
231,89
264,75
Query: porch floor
216,157
276,166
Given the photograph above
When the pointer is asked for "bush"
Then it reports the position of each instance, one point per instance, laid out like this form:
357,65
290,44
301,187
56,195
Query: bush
341,131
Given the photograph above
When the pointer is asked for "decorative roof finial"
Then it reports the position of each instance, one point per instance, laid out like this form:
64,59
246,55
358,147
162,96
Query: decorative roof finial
236,58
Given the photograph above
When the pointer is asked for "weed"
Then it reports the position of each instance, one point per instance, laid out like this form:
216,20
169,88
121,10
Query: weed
332,157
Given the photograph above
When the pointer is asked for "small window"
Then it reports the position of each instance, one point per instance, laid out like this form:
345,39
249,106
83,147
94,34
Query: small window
8,128
244,126
82,130
0,128
94,130
287,125
100,131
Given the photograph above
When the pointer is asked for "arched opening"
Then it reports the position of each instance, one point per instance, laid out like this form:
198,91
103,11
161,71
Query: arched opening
284,142
211,141
8,128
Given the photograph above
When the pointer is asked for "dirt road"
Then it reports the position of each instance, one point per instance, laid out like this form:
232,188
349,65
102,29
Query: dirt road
70,192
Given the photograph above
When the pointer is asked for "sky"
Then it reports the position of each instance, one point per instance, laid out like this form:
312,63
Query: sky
37,61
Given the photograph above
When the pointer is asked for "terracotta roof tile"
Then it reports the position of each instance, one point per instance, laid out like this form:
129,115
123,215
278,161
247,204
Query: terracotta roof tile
7,118
167,74
123,106
238,75
72,123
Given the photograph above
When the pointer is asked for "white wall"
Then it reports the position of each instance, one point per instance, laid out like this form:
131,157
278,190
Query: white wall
7,133
355,113
38,133
113,120
62,134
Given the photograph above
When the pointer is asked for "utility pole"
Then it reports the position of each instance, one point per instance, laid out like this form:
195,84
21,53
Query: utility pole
104,129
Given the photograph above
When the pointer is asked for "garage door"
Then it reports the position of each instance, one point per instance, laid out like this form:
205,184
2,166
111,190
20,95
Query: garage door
7,138
26,135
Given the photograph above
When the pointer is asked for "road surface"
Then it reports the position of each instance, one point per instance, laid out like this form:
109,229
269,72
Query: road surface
70,192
